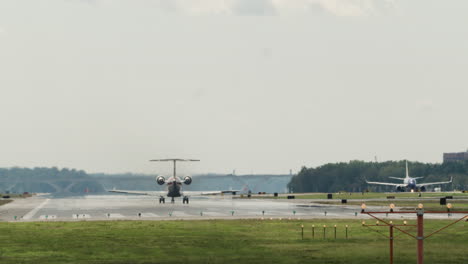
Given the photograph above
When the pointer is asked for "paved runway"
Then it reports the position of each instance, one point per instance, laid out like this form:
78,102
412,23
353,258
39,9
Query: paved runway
131,207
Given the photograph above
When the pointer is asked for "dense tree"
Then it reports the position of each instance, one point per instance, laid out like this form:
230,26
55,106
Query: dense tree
334,177
47,180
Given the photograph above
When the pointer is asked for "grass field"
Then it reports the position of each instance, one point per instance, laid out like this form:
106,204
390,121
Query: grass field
365,195
408,205
373,195
220,241
2,202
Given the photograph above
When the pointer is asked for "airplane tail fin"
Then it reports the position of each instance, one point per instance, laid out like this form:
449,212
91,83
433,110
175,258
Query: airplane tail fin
407,173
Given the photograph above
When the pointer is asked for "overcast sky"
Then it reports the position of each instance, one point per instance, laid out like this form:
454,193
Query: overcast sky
260,86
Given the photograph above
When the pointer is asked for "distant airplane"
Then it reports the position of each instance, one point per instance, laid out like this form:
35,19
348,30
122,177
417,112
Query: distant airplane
409,183
174,185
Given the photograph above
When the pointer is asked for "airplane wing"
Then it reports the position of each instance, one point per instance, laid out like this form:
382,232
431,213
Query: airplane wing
387,183
150,193
233,192
205,193
434,183
162,193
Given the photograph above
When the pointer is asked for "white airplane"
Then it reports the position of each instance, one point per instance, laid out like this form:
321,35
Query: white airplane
409,183
174,185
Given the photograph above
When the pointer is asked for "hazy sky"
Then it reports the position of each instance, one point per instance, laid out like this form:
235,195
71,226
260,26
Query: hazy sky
259,86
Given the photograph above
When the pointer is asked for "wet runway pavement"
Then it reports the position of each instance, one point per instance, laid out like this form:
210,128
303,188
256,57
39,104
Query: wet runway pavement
133,207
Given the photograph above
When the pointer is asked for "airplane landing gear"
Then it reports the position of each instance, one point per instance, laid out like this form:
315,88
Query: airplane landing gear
185,200
162,200
172,200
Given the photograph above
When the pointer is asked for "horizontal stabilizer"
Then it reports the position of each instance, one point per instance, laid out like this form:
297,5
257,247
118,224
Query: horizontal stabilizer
397,178
174,160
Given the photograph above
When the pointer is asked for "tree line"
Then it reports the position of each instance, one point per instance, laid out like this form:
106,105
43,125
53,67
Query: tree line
351,176
41,173
47,180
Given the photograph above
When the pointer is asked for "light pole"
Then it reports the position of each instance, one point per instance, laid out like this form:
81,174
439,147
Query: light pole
391,237
420,226
420,237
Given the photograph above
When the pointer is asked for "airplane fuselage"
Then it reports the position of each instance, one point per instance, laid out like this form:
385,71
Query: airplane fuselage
410,183
174,187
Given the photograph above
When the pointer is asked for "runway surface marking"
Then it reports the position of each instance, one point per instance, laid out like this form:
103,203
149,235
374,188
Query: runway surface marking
213,214
35,210
149,215
81,216
180,213
115,216
45,217
279,213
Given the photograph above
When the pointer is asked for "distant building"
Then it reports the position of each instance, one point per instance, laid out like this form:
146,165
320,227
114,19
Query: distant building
456,156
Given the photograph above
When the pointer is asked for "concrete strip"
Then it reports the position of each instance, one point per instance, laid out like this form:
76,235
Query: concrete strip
149,215
214,214
81,216
35,210
115,215
47,217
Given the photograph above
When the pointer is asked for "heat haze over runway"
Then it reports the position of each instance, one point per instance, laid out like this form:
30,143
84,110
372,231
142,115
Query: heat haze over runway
133,207
102,207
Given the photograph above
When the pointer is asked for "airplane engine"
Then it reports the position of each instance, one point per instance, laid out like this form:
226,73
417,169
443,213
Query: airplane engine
160,180
187,180
423,189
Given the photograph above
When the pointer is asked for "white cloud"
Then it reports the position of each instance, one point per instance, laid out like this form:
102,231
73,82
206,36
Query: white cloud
347,8
254,7
198,7
425,105
270,7
352,7
94,2
2,31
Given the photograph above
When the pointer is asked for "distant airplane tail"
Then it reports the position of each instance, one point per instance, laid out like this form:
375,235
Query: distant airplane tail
407,173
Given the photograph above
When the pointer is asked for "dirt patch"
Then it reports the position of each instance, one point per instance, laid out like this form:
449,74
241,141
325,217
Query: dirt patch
2,202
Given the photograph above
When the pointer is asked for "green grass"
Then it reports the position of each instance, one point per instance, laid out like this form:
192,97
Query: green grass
219,241
407,205
2,202
369,195
372,195
15,195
